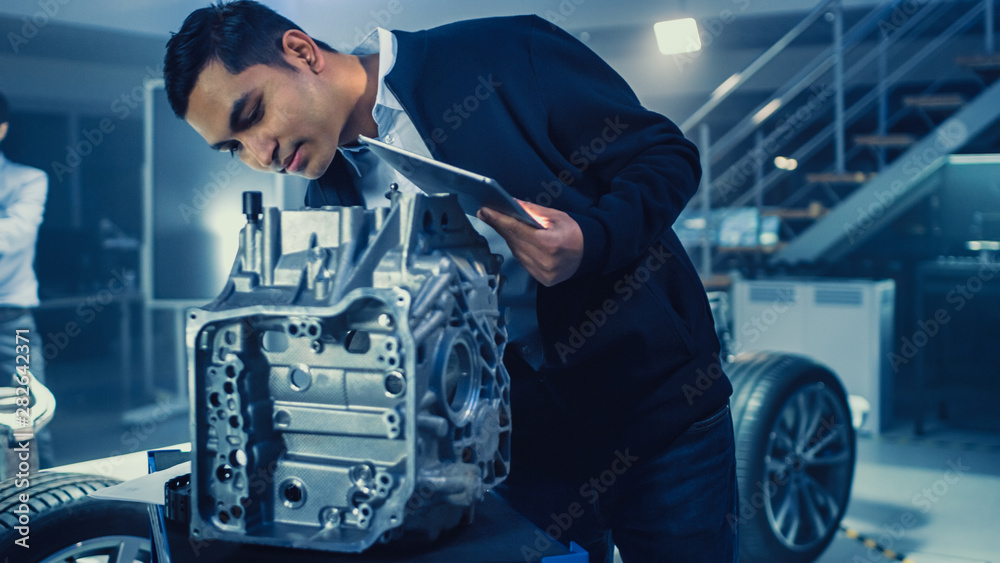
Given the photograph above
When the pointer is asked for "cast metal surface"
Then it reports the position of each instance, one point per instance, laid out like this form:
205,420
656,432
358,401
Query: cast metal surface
347,383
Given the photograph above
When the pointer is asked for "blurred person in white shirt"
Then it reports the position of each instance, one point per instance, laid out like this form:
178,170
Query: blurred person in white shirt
22,202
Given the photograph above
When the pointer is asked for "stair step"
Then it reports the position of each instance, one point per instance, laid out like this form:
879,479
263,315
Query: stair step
838,178
981,61
718,282
987,66
759,249
814,211
892,140
935,101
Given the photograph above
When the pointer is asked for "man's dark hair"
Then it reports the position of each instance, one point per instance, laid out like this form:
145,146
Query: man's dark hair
239,34
4,109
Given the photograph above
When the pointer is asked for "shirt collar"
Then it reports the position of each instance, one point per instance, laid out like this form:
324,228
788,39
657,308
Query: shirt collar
383,42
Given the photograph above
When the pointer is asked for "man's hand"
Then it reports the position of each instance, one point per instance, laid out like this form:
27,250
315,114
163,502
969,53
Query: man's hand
550,255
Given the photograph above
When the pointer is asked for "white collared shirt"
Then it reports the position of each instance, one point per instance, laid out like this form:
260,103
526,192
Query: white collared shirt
372,176
22,203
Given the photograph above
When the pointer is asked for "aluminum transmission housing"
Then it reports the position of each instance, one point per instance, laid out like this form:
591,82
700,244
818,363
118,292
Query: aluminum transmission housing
347,384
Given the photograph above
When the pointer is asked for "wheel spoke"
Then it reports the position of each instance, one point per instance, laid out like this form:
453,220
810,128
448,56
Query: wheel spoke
809,432
824,496
775,465
827,460
784,438
796,514
817,417
779,518
817,519
822,443
129,549
802,419
117,549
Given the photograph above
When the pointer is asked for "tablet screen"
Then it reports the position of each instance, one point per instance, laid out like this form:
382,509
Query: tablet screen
473,190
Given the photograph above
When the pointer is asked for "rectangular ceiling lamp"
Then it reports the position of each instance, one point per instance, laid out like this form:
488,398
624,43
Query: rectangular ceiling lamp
677,36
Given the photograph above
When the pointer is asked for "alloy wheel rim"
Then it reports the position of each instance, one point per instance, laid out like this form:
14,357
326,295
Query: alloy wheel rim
117,549
807,467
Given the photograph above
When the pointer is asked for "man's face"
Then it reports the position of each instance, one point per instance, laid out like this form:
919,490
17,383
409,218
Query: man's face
276,119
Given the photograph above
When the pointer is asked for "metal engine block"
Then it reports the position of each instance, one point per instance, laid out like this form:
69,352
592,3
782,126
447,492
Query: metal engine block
347,384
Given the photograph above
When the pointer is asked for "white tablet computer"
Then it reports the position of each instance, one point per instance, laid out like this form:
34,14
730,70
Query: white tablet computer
473,190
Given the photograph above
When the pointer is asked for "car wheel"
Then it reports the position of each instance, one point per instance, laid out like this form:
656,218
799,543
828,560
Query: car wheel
63,524
795,454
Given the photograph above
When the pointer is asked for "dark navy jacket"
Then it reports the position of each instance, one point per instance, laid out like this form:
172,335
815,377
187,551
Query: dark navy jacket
631,355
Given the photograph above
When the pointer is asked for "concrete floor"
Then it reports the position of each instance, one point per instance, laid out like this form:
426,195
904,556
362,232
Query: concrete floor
935,500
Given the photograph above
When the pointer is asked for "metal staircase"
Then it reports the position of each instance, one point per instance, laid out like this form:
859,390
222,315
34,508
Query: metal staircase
869,126
915,174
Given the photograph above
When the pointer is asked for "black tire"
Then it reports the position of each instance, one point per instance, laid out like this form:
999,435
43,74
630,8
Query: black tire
64,523
795,454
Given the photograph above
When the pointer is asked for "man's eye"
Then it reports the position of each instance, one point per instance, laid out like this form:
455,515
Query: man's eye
255,115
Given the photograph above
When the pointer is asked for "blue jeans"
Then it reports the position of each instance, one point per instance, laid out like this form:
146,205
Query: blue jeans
668,508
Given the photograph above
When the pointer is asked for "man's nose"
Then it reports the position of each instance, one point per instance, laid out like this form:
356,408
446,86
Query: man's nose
261,152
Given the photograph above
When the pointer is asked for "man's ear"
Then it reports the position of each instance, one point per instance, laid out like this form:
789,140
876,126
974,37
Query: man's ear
3,130
301,51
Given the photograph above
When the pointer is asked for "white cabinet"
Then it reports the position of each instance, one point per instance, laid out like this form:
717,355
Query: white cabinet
844,324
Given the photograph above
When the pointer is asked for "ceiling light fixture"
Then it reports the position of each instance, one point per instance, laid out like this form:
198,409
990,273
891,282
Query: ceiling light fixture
677,36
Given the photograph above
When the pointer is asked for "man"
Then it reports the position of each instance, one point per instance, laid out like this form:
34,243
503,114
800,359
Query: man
22,202
620,429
